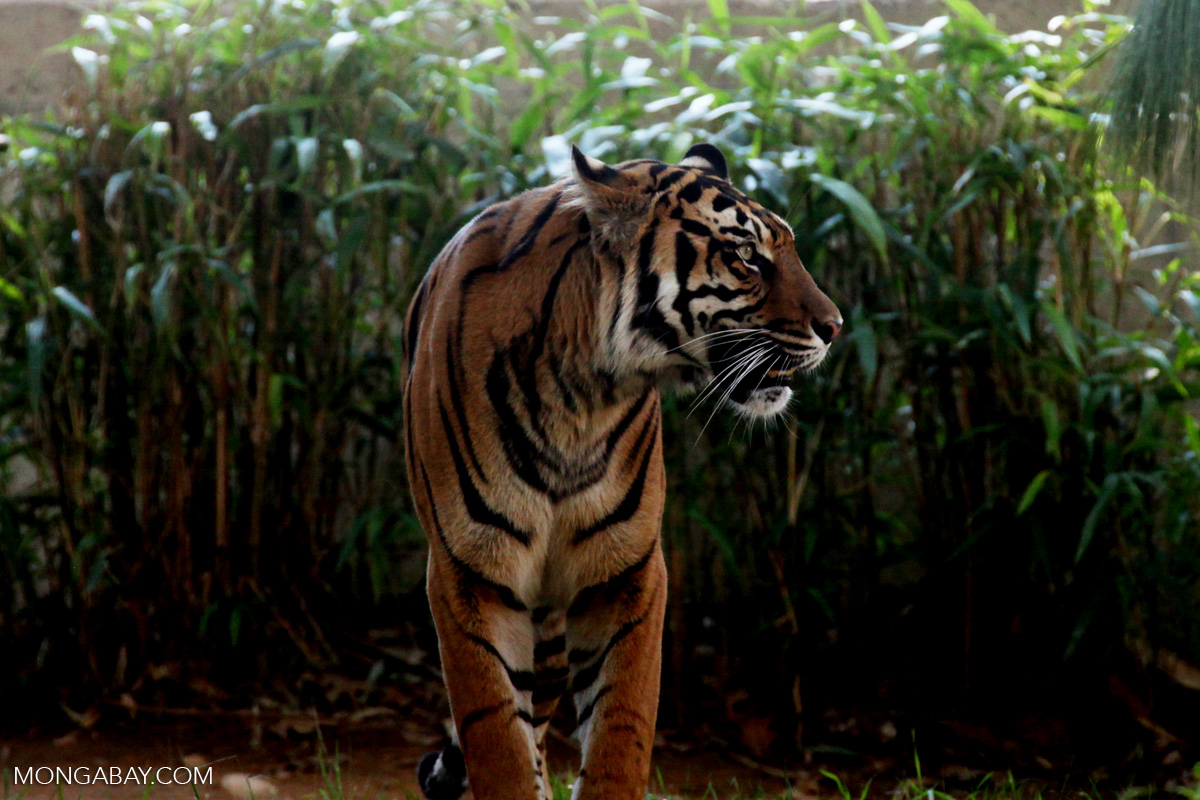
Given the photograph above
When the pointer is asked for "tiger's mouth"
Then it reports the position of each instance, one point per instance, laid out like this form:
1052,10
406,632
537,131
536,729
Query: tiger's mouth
751,373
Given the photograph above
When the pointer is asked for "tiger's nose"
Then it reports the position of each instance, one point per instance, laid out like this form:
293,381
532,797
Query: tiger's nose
828,329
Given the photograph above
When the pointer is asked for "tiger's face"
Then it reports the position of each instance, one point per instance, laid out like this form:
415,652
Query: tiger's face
715,294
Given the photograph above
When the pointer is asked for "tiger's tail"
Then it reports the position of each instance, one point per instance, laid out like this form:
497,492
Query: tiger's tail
443,774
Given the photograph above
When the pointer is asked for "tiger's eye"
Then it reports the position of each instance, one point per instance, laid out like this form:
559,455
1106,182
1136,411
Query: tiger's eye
745,252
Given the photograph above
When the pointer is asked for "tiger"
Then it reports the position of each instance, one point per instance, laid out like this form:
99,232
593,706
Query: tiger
536,347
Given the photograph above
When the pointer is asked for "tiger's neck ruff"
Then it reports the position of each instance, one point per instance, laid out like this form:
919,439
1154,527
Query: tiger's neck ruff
536,346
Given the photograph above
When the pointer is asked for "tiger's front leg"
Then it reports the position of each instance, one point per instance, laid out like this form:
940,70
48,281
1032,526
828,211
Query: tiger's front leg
614,639
487,659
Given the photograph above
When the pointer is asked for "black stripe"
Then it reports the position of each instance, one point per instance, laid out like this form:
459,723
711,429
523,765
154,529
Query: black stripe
506,595
519,250
670,179
479,715
692,192
549,647
528,377
521,679
477,232
623,424
526,242
722,202
585,713
520,450
552,674
581,654
633,497
738,314
552,690
696,228
460,413
564,389
685,262
725,294
649,318
476,507
615,584
587,676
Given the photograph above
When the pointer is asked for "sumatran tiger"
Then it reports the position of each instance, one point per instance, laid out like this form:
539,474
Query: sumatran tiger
536,346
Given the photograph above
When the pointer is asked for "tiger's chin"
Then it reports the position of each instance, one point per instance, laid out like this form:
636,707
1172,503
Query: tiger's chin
763,402
762,393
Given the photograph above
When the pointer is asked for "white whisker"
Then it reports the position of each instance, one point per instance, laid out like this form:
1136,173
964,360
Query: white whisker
760,356
720,378
730,332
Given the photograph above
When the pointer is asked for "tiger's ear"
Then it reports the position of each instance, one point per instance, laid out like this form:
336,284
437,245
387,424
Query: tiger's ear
616,202
706,156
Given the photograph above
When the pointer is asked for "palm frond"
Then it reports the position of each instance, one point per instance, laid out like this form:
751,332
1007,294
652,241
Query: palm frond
1156,86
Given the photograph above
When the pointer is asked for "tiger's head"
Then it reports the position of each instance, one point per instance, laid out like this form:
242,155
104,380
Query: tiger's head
714,293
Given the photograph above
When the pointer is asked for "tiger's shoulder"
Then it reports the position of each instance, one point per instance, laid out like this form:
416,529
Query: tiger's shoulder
500,259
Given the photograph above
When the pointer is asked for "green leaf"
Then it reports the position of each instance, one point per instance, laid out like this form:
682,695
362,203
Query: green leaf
1192,429
351,241
76,306
866,343
860,209
528,121
1053,426
302,103
1065,333
160,296
720,12
37,346
336,48
968,13
112,190
770,178
10,291
1031,491
875,23
131,281
393,186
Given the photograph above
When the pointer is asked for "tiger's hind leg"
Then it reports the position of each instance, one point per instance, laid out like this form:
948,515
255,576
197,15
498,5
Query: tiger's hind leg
614,640
487,648
550,672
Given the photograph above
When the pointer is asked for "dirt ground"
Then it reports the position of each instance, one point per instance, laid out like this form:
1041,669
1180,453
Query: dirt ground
375,761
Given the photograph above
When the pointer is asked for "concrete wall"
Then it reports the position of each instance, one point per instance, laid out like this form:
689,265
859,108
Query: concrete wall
31,77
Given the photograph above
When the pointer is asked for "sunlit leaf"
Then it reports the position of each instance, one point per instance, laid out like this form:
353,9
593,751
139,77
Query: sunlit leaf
337,47
860,209
1032,491
76,306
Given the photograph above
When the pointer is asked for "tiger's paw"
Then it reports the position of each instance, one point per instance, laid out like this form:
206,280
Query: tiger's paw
443,775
